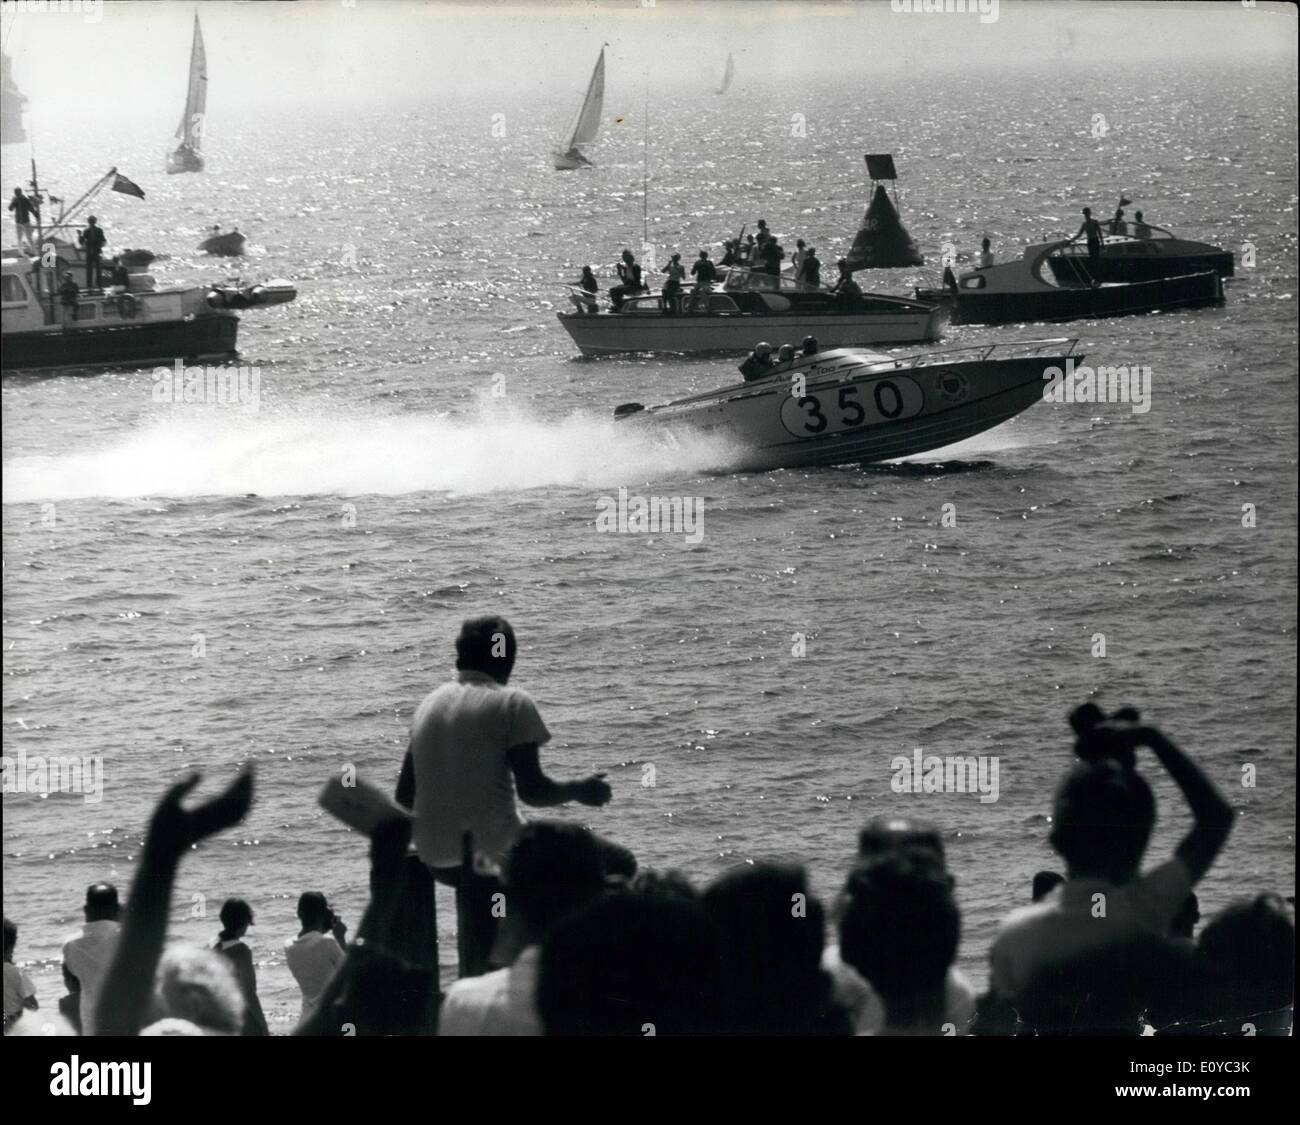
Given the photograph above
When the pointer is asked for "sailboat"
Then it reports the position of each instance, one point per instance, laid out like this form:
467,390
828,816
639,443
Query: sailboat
186,156
727,75
587,124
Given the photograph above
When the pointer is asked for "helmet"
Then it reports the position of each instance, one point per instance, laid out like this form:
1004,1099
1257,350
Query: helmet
786,352
763,349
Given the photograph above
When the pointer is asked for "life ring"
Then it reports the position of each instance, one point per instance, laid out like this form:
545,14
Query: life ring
127,306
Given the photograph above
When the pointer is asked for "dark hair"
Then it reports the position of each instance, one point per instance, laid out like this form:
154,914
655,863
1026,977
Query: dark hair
771,932
1104,813
235,914
628,963
11,934
313,907
899,927
486,644
1045,882
101,902
1250,947
552,868
885,834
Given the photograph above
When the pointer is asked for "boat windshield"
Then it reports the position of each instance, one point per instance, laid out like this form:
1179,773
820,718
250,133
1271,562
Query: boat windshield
739,278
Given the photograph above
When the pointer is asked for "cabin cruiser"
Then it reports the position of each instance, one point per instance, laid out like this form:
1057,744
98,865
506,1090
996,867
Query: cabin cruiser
746,305
850,406
229,244
1140,252
1050,283
135,323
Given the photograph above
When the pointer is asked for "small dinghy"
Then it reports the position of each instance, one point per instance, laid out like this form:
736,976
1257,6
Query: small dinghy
227,245
276,292
850,406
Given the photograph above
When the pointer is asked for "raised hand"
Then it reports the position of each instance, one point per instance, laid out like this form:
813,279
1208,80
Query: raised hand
174,828
593,790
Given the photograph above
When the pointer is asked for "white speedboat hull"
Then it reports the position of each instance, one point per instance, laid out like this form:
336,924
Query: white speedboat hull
848,407
604,334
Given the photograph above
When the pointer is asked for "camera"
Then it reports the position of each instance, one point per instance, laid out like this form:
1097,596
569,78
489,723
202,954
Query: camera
1097,738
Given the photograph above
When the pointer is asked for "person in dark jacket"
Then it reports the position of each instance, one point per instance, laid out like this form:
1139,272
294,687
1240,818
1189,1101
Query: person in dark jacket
629,277
92,243
24,207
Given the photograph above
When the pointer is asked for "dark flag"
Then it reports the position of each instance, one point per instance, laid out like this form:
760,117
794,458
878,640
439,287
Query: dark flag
127,187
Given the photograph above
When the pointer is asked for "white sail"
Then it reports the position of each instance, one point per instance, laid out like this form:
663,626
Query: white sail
728,74
588,123
190,131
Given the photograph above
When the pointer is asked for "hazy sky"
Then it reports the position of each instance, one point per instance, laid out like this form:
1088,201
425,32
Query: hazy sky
132,59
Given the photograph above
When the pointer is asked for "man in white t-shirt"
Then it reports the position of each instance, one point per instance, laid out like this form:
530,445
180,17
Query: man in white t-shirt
1103,816
475,745
316,953
88,957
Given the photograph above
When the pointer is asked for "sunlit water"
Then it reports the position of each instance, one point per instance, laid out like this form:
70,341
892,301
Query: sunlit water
428,446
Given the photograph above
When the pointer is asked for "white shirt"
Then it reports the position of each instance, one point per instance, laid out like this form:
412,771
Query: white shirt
313,960
1068,921
498,1003
88,958
463,781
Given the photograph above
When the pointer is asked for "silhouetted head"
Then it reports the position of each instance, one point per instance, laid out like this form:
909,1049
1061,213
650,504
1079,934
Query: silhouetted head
551,870
314,911
236,917
770,937
985,244
101,903
91,220
1103,814
586,271
486,644
1137,215
799,243
899,927
810,345
887,834
762,224
676,258
704,253
1250,949
1087,211
18,191
10,938
627,256
629,964
1045,882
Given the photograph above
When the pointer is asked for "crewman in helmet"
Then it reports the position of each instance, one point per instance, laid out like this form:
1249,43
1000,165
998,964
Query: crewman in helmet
758,364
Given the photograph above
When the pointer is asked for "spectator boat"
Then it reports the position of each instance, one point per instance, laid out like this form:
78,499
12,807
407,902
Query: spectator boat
229,244
1153,254
851,406
1022,292
746,307
133,324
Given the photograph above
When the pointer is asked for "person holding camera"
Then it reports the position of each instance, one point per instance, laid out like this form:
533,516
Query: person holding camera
1103,815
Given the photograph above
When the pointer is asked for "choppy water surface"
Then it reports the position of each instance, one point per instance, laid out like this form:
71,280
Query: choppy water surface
428,446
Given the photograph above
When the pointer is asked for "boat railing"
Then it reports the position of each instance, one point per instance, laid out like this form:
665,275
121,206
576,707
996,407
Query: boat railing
1020,349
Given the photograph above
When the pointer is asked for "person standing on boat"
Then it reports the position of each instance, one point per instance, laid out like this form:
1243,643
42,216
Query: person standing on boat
800,252
1091,229
588,284
773,253
1117,224
673,286
705,274
986,255
810,269
69,295
1140,229
24,207
729,254
92,242
474,746
761,235
629,277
